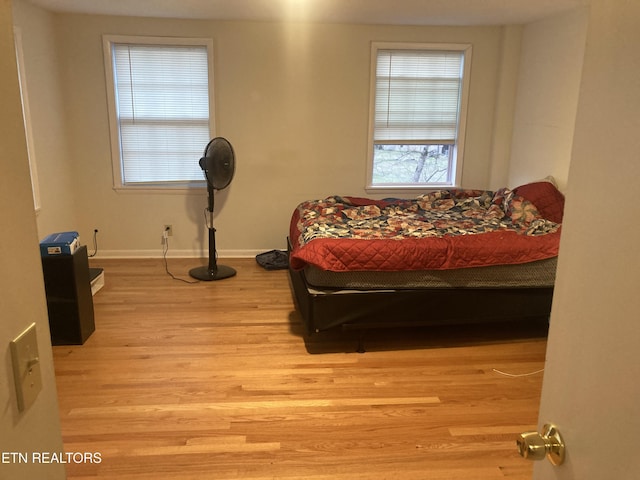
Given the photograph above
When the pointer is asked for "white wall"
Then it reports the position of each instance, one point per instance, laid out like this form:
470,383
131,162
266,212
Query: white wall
591,387
547,98
51,155
507,87
22,298
293,100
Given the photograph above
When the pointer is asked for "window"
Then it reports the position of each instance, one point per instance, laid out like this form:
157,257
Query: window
417,117
159,110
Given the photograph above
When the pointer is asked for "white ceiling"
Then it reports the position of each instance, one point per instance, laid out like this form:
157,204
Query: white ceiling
396,12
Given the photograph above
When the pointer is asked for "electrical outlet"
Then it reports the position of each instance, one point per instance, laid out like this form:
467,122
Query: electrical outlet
168,230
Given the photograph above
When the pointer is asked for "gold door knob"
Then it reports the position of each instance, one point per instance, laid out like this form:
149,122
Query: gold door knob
537,446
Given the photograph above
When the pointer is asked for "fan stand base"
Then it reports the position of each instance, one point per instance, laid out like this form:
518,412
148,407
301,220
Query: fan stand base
205,274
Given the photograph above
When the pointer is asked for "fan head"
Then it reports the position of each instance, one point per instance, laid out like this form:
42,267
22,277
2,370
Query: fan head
218,163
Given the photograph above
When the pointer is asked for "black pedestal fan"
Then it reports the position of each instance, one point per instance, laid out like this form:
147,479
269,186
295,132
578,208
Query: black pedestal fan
219,164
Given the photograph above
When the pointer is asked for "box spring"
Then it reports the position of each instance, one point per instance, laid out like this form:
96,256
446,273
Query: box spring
329,308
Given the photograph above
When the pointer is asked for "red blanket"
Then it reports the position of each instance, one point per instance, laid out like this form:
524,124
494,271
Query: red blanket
441,230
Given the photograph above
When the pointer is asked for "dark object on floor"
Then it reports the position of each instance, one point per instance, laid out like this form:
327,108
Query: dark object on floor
273,260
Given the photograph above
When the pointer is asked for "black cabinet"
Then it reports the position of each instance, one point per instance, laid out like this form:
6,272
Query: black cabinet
69,300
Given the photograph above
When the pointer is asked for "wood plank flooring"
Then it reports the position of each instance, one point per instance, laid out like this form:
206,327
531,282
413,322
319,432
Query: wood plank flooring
213,381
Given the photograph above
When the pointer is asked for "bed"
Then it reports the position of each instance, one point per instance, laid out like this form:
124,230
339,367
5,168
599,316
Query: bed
444,257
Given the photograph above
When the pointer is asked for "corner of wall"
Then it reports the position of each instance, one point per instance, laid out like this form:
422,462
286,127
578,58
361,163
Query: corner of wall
506,90
546,104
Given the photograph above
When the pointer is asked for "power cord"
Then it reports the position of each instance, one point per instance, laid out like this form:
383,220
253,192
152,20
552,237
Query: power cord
513,375
95,243
165,249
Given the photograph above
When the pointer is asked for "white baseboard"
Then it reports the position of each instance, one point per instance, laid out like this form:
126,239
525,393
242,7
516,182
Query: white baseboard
173,253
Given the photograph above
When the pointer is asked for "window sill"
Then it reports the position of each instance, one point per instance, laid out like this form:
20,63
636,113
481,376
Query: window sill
163,189
407,189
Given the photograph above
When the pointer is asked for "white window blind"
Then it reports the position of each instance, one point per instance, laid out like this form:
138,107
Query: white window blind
162,110
417,96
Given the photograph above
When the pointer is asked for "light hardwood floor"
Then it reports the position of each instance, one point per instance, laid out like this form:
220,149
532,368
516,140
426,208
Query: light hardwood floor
213,381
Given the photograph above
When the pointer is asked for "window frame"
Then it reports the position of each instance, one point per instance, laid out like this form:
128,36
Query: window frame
116,157
457,148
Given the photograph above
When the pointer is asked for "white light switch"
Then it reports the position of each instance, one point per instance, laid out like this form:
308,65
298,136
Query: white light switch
26,367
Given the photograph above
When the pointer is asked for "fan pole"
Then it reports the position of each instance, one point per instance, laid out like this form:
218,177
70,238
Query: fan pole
212,271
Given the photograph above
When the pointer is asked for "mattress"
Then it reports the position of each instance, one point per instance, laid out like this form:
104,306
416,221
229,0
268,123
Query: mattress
540,273
441,230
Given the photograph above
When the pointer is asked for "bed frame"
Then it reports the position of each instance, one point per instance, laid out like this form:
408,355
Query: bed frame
326,309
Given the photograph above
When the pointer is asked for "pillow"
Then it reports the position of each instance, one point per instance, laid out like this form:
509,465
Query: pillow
546,197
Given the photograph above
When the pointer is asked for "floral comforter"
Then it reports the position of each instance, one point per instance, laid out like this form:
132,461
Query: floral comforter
444,229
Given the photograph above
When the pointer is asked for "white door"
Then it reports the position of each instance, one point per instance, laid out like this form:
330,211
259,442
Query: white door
591,388
22,295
